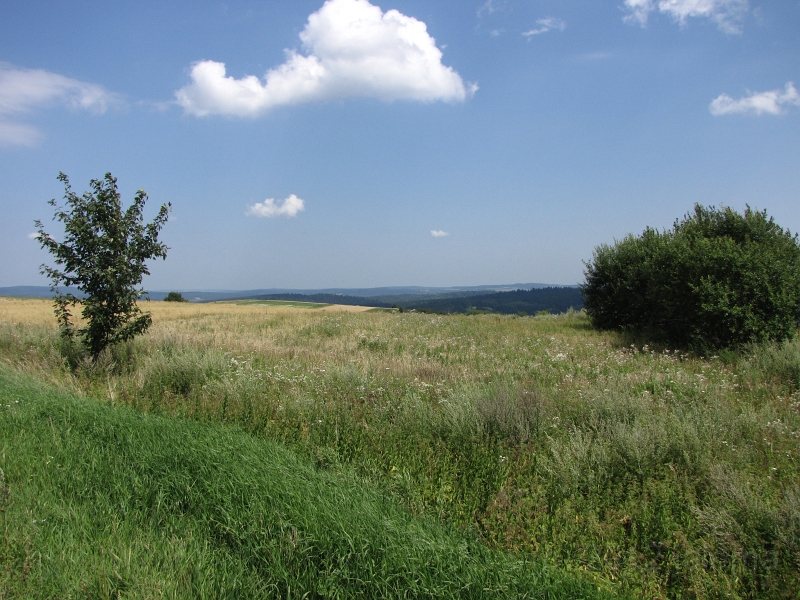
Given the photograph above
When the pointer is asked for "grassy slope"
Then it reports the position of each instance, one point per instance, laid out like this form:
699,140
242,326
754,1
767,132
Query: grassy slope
108,502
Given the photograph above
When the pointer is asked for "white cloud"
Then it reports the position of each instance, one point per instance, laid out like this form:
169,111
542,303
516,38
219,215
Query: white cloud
33,235
23,90
439,233
488,7
269,208
773,102
638,11
18,134
545,25
352,49
728,14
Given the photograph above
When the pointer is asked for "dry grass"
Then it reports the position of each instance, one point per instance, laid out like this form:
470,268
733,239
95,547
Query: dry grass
35,311
25,311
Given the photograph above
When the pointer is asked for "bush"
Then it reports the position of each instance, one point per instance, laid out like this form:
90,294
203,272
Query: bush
717,279
175,297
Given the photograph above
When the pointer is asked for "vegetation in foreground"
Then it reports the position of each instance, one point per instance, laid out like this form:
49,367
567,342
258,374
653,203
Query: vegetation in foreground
102,502
647,470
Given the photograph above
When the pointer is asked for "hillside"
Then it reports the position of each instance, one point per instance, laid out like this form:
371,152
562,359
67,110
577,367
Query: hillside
387,294
529,302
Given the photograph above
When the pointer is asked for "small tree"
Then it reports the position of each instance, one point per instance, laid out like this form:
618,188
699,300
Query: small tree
103,254
175,297
716,279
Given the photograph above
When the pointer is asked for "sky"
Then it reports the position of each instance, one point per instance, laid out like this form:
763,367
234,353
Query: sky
356,143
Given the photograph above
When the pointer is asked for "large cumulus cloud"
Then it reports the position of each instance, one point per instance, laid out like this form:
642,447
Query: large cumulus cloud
351,48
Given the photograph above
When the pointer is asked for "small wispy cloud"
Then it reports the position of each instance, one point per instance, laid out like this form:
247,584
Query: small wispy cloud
33,235
270,209
593,56
638,11
772,102
23,90
439,233
545,25
728,14
488,7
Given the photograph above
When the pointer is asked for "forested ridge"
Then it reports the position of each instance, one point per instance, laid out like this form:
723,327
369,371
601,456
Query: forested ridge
550,299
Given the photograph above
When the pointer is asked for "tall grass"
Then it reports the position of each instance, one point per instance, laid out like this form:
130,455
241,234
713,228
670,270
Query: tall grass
651,471
109,503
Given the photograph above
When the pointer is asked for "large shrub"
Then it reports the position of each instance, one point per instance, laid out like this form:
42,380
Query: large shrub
716,279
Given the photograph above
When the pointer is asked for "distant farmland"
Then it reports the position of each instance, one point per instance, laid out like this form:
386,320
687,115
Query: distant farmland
530,302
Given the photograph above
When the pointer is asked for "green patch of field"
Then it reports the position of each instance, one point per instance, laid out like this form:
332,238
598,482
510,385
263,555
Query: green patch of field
277,303
102,502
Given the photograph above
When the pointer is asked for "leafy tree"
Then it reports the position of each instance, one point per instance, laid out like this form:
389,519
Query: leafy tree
175,297
716,279
103,254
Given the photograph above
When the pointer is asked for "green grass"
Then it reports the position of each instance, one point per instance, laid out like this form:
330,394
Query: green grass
288,303
102,502
649,471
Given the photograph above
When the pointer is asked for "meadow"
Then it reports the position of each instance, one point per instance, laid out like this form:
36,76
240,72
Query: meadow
640,470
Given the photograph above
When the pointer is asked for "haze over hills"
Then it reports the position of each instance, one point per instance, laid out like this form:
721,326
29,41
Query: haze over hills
529,298
42,291
524,302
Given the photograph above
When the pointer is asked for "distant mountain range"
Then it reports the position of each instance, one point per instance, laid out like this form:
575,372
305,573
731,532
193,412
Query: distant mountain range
525,298
529,302
41,291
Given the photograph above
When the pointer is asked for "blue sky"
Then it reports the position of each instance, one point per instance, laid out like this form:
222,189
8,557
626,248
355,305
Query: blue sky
349,144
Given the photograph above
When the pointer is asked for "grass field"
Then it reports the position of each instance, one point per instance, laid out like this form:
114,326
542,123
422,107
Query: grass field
308,305
278,303
642,470
102,502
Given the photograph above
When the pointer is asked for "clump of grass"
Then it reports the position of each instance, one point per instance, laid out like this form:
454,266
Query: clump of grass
110,503
777,363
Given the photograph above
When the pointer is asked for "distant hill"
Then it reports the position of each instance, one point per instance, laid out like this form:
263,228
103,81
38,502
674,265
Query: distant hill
529,302
35,291
392,295
320,298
